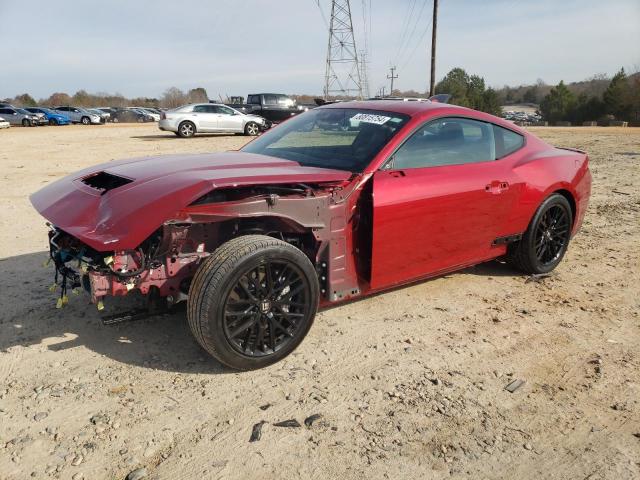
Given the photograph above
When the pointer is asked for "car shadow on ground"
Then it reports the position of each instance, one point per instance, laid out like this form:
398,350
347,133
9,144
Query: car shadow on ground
29,317
163,342
172,136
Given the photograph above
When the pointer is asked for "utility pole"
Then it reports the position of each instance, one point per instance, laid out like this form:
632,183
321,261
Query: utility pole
342,73
392,77
432,85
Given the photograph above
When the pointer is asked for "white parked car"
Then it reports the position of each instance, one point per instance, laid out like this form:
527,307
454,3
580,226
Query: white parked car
4,123
188,120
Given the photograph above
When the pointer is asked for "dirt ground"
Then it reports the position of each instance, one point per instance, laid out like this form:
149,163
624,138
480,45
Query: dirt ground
409,384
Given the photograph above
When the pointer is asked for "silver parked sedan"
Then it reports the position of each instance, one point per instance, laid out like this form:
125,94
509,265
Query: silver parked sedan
18,116
79,115
188,120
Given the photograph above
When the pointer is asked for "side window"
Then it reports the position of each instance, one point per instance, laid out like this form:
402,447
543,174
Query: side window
4,110
507,141
225,110
447,141
270,99
254,99
201,109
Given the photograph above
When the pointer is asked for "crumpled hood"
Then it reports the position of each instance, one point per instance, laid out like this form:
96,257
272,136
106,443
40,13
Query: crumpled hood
117,205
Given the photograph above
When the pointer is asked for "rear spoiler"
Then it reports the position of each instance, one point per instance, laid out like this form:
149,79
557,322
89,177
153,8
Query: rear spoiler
440,98
573,150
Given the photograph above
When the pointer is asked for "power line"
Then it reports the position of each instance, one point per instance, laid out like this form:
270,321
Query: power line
418,43
405,26
413,30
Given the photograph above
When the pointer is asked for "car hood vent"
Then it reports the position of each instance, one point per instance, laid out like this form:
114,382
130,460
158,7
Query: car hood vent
104,181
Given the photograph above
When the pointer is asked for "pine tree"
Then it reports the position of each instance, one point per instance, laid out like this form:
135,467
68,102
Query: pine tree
617,96
558,104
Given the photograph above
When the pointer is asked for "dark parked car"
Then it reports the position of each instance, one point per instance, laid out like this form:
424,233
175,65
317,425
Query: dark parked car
129,115
274,107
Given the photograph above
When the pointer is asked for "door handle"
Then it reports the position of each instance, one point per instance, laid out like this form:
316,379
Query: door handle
496,187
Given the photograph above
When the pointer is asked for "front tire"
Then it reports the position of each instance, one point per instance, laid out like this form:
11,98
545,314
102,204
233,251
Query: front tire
85,120
186,129
53,122
26,123
251,129
547,238
252,302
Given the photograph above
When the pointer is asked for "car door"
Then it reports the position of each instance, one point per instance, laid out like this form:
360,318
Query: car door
228,119
205,117
439,202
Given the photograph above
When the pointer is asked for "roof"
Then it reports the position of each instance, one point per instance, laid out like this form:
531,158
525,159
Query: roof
419,109
408,108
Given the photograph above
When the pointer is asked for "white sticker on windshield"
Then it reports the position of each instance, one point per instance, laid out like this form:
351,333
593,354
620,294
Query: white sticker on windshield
369,118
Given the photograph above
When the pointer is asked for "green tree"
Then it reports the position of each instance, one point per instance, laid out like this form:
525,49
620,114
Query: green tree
469,91
455,83
617,96
491,102
531,95
558,104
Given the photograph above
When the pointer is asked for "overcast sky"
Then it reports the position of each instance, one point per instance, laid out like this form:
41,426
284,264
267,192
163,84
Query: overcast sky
234,47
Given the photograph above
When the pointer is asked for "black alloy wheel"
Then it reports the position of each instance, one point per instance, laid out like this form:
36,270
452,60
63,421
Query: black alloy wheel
546,240
266,307
552,235
252,301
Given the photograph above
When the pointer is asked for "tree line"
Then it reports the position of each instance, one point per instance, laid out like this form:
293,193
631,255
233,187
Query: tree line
171,98
620,100
594,99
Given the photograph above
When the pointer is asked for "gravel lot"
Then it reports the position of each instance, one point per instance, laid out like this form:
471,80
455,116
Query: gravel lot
409,384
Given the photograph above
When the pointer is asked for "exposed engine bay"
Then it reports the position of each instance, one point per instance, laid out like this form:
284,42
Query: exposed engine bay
163,265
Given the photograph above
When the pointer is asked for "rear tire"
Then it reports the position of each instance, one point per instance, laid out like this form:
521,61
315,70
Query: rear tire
546,240
251,129
252,302
186,129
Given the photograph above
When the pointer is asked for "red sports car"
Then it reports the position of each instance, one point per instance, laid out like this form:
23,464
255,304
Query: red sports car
340,202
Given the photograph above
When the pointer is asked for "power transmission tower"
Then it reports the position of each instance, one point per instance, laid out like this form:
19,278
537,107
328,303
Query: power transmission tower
342,74
432,84
364,73
392,77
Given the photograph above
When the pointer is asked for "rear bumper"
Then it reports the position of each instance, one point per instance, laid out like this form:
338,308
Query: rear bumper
167,126
583,193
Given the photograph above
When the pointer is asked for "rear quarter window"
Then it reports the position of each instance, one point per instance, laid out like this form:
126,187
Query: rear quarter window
507,141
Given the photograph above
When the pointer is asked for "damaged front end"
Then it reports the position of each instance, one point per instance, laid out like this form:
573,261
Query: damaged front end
161,267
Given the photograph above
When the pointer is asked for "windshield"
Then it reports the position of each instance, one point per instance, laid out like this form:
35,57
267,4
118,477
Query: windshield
337,138
23,111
